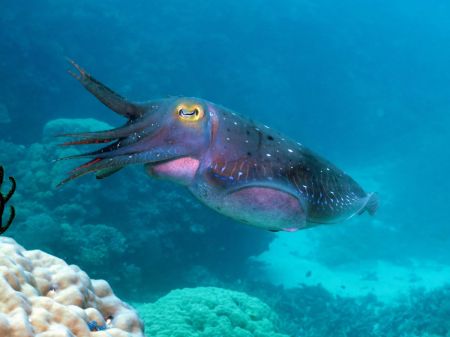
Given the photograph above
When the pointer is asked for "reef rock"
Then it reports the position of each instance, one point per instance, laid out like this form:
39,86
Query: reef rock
42,296
208,312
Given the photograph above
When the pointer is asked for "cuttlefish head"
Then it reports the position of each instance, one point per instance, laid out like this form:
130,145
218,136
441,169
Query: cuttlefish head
156,132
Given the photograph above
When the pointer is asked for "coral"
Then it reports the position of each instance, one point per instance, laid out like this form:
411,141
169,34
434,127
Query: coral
208,312
42,296
312,311
3,200
420,313
97,244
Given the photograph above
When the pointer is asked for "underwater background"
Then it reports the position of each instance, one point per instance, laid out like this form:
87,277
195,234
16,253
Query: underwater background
365,84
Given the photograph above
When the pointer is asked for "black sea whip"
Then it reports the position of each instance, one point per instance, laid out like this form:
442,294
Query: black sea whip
3,200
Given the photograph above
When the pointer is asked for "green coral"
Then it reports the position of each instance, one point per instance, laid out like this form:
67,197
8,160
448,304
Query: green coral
209,312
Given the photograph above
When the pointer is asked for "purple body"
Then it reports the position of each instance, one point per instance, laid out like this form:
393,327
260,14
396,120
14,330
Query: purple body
240,168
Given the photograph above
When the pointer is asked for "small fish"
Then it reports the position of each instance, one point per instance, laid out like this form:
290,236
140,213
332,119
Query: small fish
240,168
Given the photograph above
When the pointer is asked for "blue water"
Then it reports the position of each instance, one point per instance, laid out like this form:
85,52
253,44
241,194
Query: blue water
365,84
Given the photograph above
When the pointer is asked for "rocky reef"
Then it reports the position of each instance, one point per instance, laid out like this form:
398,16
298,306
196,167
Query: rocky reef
312,311
43,296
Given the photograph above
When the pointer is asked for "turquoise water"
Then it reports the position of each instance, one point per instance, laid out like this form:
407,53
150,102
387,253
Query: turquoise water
364,84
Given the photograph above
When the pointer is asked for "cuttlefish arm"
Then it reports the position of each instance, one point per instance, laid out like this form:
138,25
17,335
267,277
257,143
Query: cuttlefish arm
130,143
107,96
131,110
111,162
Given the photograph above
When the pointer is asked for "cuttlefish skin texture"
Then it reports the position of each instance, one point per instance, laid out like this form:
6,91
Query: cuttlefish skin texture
234,165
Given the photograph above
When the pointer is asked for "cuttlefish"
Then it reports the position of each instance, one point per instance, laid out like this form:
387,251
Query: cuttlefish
240,168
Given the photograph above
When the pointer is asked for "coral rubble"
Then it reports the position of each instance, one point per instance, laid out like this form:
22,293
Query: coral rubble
42,296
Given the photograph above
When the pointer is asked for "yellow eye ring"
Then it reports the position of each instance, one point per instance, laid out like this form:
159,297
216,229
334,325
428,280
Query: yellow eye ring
189,113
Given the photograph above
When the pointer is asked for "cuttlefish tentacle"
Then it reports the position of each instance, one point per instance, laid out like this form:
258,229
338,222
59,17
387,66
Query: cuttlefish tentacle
119,147
111,163
104,152
95,137
106,136
107,96
124,146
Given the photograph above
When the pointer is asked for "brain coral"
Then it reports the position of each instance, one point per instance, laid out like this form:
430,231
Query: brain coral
208,312
42,296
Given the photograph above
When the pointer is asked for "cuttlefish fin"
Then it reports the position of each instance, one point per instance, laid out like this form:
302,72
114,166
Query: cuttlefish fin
105,95
370,204
107,172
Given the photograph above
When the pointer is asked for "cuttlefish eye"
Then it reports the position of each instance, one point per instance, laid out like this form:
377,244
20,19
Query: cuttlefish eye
190,113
